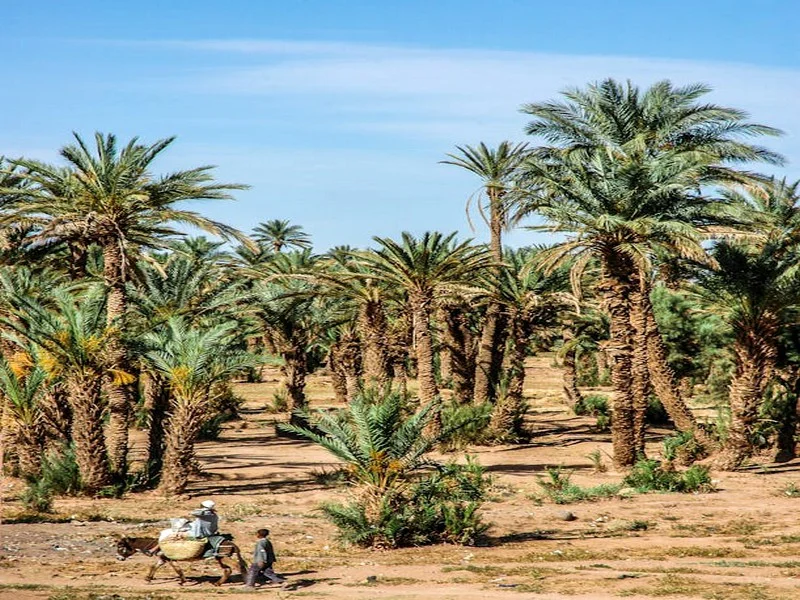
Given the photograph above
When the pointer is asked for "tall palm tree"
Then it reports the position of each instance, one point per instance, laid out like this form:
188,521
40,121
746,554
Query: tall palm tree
629,174
424,268
275,235
496,167
107,195
72,338
193,362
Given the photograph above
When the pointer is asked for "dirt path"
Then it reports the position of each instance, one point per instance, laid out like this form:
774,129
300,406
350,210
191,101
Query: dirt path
740,543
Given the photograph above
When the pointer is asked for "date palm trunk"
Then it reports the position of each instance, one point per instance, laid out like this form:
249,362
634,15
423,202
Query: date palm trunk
179,457
755,357
664,383
490,352
786,445
156,404
508,412
119,395
485,388
83,391
338,379
295,371
572,395
423,347
616,287
29,447
457,340
639,366
373,333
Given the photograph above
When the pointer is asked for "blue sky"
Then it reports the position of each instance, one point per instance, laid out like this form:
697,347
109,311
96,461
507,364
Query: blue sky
336,113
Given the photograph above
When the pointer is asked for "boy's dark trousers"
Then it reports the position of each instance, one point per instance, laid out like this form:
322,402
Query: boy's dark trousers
257,569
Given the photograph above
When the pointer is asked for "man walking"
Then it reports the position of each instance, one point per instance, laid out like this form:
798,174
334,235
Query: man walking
263,559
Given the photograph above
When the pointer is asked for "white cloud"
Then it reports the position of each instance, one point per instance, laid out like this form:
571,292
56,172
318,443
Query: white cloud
458,94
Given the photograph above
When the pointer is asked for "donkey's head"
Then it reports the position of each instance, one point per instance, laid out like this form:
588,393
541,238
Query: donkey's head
124,548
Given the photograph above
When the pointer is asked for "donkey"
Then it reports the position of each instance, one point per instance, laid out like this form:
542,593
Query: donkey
128,546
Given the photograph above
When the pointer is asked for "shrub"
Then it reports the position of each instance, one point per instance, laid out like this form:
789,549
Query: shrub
59,476
595,405
682,448
280,402
442,507
650,475
465,424
558,487
592,405
37,497
211,428
398,501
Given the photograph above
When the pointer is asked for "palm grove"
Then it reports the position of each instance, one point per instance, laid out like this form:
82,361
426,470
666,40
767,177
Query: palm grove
672,275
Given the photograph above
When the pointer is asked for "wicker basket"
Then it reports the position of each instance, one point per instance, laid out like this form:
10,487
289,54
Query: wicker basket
183,549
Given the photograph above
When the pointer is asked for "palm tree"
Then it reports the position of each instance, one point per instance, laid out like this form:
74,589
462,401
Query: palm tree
628,174
355,284
188,283
496,167
424,268
532,301
72,337
23,385
275,235
292,316
755,285
193,362
379,441
108,196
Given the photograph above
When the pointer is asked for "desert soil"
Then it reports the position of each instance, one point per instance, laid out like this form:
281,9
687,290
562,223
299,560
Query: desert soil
741,542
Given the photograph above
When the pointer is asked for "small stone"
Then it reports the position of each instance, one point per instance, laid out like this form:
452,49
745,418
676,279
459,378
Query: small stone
565,515
372,578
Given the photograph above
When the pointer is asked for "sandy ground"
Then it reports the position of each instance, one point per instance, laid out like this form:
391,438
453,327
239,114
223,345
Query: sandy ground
742,542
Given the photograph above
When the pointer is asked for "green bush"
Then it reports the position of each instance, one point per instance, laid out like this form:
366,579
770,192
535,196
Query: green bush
59,476
37,497
465,424
592,405
558,488
682,448
442,507
650,475
595,405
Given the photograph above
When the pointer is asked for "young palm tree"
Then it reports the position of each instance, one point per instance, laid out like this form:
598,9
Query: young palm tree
627,174
424,268
376,438
72,338
275,235
193,362
108,196
497,168
23,386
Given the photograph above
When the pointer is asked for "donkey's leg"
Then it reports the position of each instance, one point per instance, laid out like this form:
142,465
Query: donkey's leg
226,572
178,570
156,565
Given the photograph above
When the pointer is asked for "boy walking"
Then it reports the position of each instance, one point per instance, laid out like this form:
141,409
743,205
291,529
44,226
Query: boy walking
263,559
